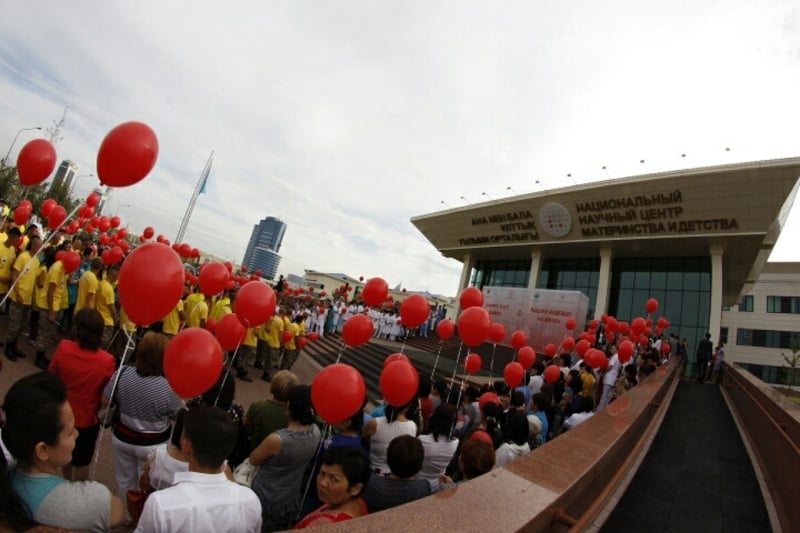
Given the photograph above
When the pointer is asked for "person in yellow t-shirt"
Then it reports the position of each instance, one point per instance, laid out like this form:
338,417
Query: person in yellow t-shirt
55,286
8,254
246,355
173,320
196,310
269,346
220,307
23,277
105,304
290,348
88,285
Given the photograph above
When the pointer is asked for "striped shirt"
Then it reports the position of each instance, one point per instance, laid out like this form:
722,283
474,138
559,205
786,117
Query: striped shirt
145,403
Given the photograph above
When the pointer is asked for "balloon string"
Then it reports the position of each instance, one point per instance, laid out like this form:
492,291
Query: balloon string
326,430
458,404
342,348
458,359
227,373
491,364
129,345
195,308
436,361
44,243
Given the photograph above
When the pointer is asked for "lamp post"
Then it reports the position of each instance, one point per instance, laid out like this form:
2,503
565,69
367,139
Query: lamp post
72,185
8,154
116,212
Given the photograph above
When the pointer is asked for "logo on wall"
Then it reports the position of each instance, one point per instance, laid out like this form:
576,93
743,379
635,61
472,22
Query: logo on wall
555,220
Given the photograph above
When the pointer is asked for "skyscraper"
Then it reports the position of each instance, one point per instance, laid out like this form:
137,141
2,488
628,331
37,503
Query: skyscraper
64,177
265,243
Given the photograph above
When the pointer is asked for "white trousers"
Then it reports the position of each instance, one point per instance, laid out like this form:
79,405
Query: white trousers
128,466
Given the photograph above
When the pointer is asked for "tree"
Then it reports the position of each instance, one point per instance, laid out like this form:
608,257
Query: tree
793,362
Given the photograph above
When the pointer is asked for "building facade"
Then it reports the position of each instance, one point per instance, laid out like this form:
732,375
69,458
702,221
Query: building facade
694,240
64,178
265,243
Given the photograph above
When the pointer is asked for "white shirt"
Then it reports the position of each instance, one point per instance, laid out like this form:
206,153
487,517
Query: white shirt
577,419
535,384
202,503
508,451
610,377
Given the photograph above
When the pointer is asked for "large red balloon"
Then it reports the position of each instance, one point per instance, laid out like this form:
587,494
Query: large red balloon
57,217
513,374
518,339
526,357
471,297
36,162
488,397
399,383
287,336
357,330
48,206
550,350
230,332
192,362
551,374
150,283
638,325
445,329
473,363
415,310
71,261
21,215
337,393
473,326
568,344
395,357
375,292
625,351
148,232
652,305
571,323
582,346
127,154
497,332
255,304
213,278
115,221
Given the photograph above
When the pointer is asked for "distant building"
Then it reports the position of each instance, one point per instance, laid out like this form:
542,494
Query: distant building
64,178
262,250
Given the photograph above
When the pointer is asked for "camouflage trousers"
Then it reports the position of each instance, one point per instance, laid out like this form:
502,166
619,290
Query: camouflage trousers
246,357
289,357
108,335
48,332
17,318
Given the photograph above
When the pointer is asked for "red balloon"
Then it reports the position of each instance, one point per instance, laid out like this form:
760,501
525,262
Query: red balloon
473,363
255,304
115,255
526,357
638,326
652,305
36,162
337,393
471,297
195,253
104,224
488,397
571,323
323,294
497,332
148,232
593,325
150,283
213,278
71,261
518,339
57,217
86,212
665,348
123,244
550,350
483,436
313,336
513,374
473,326
399,383
551,374
445,329
596,359
115,222
192,362
93,200
375,292
72,227
211,325
21,215
48,206
228,266
127,154
414,310
395,357
185,250
301,343
287,336
243,268
582,346
568,344
357,330
662,322
230,332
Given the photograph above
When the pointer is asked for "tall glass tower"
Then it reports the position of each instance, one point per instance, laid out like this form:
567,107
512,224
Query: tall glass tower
262,250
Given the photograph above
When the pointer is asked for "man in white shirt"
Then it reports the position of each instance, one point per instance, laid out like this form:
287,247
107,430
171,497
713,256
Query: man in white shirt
203,499
609,378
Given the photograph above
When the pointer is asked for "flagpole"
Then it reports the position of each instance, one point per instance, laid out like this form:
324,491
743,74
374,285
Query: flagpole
198,189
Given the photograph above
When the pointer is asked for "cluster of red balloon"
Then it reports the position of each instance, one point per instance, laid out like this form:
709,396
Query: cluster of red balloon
186,251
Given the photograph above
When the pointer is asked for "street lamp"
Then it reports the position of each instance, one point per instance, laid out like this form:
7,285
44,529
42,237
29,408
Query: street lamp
120,207
8,154
487,196
72,185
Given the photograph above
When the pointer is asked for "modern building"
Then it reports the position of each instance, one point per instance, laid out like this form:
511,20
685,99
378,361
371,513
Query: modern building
265,243
695,240
64,178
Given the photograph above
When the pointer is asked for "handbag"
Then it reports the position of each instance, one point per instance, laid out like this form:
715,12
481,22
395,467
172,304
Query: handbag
245,473
137,497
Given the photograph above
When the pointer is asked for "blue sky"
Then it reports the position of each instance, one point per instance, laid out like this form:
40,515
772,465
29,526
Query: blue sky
347,118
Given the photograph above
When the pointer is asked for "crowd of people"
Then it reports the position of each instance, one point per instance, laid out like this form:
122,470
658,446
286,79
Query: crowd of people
174,459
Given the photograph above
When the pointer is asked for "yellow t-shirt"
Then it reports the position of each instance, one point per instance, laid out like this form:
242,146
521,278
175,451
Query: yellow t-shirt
105,302
58,277
172,322
40,293
126,323
270,331
250,338
87,285
7,256
26,280
295,329
218,309
196,313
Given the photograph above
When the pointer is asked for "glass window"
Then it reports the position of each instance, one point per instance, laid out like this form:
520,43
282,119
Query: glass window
691,281
658,280
783,304
723,335
746,305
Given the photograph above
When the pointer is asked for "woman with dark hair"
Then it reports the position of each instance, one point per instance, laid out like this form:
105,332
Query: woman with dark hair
438,444
516,444
382,430
40,434
146,403
341,481
85,369
404,457
284,456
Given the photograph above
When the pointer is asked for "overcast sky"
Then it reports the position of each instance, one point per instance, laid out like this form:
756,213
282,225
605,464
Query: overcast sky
345,119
